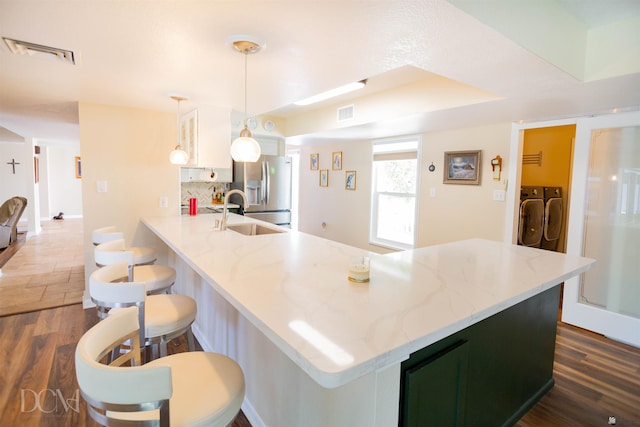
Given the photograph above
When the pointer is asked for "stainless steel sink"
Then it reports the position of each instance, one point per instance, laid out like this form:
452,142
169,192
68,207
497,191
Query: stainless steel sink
252,229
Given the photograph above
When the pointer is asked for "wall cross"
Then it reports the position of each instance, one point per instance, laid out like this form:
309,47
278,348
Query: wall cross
13,163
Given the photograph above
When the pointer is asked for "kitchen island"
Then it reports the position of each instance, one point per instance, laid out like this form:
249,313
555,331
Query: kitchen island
318,350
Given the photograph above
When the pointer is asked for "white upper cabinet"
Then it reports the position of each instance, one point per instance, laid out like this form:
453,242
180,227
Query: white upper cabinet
196,175
207,133
205,174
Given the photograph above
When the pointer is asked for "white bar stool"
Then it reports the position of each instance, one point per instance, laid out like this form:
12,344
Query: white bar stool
105,234
185,389
141,255
158,279
144,255
162,317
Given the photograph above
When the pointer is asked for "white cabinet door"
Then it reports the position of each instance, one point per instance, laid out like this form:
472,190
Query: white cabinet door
213,145
205,175
184,175
189,136
190,174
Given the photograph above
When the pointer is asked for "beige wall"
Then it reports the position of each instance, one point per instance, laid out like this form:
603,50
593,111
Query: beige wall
345,212
456,212
129,149
462,211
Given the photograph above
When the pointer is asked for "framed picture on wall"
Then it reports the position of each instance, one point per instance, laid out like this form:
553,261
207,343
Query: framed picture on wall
78,167
36,169
462,167
324,177
313,161
336,161
350,180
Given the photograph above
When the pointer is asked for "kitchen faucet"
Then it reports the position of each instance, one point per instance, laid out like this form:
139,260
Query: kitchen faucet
223,223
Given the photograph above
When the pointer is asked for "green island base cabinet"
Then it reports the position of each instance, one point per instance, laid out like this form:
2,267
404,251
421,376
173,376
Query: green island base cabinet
488,374
456,334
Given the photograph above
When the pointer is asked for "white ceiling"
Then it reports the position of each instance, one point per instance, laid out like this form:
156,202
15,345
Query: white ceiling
595,13
138,53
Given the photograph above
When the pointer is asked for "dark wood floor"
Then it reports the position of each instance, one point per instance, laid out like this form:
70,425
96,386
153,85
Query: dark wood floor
595,377
37,359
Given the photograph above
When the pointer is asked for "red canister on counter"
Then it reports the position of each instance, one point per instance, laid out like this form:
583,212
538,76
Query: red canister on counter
193,206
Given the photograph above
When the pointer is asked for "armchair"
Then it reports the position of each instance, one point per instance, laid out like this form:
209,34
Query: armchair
10,213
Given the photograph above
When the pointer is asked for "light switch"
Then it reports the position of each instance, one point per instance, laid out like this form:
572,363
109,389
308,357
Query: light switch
102,186
164,202
432,192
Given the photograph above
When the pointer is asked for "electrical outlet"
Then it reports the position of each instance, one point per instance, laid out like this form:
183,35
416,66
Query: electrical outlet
101,186
499,195
164,202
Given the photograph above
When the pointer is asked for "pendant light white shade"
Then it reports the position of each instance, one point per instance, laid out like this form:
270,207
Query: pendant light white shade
178,156
245,148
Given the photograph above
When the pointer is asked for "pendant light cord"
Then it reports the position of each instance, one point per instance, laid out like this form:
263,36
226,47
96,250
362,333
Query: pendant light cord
179,99
244,148
178,124
245,87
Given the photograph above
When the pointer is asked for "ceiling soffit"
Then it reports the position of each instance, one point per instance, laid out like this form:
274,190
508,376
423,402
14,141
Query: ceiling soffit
589,39
422,92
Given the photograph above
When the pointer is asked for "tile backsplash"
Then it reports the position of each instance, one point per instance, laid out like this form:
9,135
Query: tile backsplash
205,192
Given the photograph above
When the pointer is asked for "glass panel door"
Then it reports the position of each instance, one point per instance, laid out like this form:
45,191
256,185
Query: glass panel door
612,222
604,224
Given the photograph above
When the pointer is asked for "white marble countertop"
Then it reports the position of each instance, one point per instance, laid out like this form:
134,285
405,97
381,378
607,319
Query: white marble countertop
293,287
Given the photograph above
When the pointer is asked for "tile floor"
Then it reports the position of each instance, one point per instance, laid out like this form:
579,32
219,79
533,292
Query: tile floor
47,271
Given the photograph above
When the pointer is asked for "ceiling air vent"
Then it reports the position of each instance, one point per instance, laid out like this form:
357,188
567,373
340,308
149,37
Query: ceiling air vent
345,113
19,47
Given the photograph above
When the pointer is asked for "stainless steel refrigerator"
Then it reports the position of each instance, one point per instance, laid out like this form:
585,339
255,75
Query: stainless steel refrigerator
267,184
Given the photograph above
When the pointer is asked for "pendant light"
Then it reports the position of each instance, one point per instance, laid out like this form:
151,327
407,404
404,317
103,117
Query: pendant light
245,148
178,156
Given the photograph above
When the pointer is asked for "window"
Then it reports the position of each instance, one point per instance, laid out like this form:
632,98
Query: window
394,190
